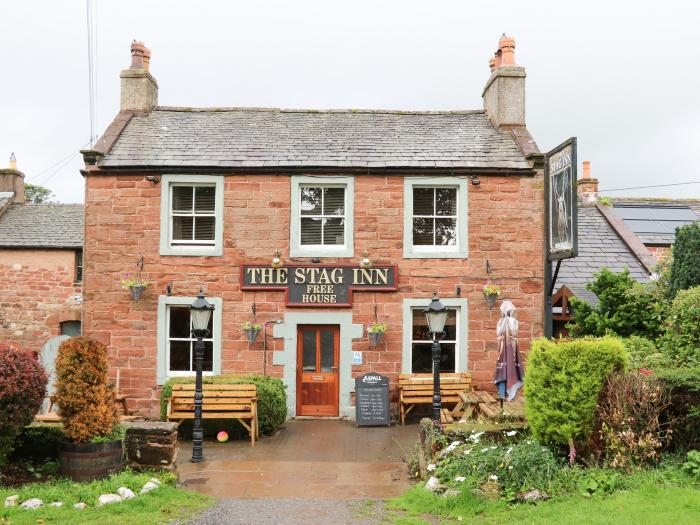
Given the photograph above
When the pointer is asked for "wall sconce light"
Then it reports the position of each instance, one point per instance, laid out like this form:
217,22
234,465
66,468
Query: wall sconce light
153,179
365,263
475,180
276,260
169,289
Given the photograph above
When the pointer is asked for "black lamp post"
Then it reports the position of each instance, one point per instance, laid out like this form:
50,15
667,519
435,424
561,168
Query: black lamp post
436,314
200,311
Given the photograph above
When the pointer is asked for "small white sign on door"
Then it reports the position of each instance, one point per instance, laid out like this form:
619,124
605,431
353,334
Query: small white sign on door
357,358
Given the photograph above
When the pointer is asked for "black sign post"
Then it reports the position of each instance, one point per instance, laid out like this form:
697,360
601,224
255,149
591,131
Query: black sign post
372,400
560,217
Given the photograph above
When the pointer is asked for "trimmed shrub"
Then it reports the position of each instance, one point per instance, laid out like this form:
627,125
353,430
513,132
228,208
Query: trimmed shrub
644,354
272,398
625,307
630,418
685,267
84,396
683,385
563,383
681,341
22,388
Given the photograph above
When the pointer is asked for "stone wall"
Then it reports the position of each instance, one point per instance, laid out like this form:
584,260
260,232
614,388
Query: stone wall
123,224
37,293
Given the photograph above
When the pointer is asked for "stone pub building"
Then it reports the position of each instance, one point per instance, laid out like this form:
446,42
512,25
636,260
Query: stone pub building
194,198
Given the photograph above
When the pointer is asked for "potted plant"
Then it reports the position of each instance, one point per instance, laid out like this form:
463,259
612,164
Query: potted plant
86,405
136,285
491,293
375,333
251,330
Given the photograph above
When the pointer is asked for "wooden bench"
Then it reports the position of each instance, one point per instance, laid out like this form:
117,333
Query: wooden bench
220,402
417,389
51,415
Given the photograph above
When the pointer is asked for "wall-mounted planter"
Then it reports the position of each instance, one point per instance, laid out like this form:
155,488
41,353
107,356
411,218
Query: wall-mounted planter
375,338
136,292
491,299
251,334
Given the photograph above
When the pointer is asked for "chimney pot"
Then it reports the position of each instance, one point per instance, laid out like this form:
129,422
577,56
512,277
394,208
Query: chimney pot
586,169
146,59
506,46
137,52
13,162
492,64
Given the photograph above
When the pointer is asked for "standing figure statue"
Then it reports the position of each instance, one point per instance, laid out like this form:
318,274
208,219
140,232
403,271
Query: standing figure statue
509,365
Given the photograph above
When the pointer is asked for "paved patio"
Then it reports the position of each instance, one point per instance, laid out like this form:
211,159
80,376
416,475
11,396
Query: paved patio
320,459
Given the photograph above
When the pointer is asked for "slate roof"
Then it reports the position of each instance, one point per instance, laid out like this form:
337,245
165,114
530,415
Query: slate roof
599,246
655,221
5,199
42,226
255,137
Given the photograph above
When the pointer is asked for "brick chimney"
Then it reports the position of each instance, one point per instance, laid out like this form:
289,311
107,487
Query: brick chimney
12,181
587,187
504,94
139,88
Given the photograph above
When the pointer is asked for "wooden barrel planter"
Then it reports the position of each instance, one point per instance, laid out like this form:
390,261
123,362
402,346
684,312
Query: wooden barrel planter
90,461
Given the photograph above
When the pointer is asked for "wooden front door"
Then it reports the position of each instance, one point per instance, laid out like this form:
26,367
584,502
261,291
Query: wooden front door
318,350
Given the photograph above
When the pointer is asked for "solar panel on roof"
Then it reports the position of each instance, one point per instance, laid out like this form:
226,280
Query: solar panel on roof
655,219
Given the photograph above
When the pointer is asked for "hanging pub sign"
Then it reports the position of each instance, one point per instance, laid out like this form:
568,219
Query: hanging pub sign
315,285
560,201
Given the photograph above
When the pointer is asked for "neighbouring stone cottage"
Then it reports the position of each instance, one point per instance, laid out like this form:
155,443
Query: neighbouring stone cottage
196,198
41,254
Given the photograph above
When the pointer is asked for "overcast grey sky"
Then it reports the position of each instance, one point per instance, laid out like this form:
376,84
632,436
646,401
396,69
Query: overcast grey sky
621,76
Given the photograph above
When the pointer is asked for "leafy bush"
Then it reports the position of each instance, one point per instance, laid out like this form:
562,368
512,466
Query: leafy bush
625,308
84,396
692,464
22,389
685,267
630,418
38,443
681,340
272,398
644,354
599,482
683,385
563,384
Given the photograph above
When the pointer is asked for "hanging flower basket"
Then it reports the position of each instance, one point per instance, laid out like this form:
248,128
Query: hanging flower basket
135,285
491,299
491,293
375,334
251,331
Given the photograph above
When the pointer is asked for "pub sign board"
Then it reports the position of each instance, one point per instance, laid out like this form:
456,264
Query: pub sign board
560,198
317,285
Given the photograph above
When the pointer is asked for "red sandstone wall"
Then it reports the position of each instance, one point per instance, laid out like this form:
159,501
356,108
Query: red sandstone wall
122,224
37,292
660,253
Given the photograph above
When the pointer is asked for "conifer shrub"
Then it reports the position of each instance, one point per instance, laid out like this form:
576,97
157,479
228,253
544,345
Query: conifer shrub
85,399
22,388
563,383
685,267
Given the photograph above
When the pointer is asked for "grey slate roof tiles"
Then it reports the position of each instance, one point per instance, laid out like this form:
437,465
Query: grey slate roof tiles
252,137
599,247
655,221
42,226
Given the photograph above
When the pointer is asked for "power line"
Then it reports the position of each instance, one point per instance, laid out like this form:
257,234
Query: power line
61,161
654,186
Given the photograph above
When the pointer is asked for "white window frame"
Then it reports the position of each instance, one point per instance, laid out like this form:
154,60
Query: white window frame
462,329
166,243
296,249
163,358
460,250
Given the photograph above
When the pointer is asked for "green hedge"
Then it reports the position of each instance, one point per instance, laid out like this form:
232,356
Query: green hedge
564,380
681,341
272,398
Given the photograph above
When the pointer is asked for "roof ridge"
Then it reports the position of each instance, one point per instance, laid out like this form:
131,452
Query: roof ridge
186,109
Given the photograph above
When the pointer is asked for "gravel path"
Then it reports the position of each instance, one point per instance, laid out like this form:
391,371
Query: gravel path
292,512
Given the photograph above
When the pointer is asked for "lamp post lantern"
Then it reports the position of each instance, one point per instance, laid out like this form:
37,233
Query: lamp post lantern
200,313
436,315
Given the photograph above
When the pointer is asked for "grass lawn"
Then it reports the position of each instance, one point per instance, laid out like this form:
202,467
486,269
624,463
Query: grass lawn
158,506
646,504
